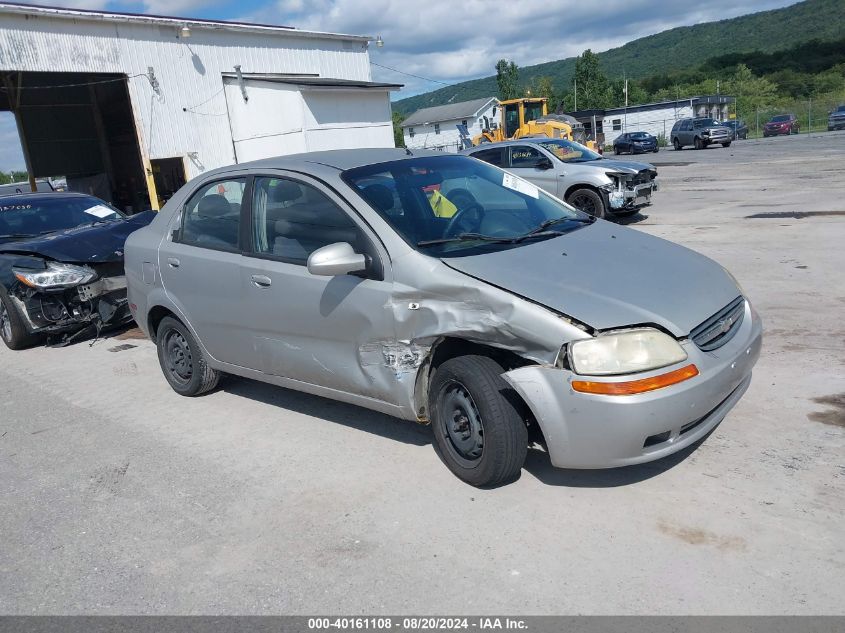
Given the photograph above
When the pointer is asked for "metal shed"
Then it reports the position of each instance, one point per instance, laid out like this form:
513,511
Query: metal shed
129,106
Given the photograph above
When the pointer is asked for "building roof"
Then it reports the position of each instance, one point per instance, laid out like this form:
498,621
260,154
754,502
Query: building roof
448,112
129,18
309,80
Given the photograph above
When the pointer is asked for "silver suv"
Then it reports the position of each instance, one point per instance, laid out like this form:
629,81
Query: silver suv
700,132
596,185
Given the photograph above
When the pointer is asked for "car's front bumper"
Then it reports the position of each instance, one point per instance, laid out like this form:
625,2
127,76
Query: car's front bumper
717,138
595,431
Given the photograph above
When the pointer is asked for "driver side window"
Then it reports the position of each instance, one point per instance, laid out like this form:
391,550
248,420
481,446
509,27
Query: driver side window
525,156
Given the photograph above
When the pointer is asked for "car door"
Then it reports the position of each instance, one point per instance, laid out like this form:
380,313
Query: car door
200,265
686,132
624,143
525,161
316,329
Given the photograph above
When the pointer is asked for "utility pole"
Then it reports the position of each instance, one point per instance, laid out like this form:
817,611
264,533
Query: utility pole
576,94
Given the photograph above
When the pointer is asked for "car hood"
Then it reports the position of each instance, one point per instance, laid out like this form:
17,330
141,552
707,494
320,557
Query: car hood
87,244
608,276
623,166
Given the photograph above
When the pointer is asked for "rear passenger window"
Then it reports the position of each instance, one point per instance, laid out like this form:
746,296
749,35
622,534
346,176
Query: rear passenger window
291,220
492,156
212,216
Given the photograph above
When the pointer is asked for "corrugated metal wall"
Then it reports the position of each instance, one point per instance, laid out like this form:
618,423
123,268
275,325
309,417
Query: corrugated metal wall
187,115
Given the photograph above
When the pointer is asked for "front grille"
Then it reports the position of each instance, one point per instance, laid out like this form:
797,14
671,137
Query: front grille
721,327
644,176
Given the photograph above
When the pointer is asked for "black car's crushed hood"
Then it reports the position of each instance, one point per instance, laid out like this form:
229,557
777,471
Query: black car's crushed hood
86,244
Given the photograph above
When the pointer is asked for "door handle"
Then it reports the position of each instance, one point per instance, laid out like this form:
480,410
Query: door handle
261,281
173,262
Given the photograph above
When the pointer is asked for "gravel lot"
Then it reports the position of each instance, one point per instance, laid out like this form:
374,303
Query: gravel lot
120,497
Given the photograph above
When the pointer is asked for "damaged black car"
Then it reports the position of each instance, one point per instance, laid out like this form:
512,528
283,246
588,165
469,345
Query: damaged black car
61,267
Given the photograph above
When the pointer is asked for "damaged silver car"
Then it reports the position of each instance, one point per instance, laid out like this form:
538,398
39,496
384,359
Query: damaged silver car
377,278
61,267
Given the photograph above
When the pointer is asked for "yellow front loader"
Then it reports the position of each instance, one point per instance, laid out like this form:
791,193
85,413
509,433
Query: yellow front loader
521,118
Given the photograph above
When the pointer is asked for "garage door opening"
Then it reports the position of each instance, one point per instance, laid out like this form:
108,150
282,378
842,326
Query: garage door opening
79,126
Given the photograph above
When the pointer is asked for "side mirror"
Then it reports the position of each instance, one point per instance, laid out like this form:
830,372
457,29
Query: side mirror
336,259
544,163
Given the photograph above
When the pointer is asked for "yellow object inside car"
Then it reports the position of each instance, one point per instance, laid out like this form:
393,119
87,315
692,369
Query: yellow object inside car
440,205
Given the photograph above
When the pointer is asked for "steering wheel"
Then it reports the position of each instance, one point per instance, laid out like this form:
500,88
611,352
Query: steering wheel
454,226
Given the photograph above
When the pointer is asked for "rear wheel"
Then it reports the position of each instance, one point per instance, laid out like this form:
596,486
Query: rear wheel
587,201
676,144
478,432
182,361
12,328
728,144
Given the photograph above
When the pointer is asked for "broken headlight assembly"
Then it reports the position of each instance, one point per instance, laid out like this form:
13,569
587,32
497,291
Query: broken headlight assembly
56,275
615,189
624,352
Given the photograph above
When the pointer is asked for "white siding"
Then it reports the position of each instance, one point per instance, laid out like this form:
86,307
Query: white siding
449,138
189,113
654,121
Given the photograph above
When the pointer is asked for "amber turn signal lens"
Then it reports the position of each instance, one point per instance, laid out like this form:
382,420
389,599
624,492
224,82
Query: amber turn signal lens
631,387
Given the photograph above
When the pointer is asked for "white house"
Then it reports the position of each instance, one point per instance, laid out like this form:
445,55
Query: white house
436,127
655,118
130,106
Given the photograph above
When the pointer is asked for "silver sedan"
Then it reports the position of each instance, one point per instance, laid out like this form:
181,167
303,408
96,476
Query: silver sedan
501,318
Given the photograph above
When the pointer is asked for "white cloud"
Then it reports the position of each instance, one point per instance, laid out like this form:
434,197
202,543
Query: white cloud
452,41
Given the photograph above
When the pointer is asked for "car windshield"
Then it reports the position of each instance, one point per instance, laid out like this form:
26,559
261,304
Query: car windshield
706,123
451,206
28,216
639,136
780,118
569,151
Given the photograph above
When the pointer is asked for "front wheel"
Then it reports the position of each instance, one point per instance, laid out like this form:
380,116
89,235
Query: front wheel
588,201
728,144
12,328
478,432
698,143
182,361
616,150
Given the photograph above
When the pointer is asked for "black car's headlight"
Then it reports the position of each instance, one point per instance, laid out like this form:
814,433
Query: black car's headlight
56,275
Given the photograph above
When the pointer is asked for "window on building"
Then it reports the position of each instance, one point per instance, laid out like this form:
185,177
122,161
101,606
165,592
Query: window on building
437,128
411,132
617,124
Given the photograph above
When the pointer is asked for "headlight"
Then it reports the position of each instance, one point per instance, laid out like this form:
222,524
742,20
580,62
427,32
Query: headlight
625,352
55,276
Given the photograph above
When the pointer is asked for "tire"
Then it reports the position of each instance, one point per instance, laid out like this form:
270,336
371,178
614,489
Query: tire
728,144
656,149
182,361
479,433
677,144
12,328
616,150
588,201
697,143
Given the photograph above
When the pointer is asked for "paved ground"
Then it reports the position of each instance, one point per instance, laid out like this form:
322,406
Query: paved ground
117,496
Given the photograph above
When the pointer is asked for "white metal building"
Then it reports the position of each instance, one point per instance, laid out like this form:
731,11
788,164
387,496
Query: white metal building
130,106
655,118
436,127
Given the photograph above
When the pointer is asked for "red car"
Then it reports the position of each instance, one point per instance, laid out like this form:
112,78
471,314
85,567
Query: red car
781,124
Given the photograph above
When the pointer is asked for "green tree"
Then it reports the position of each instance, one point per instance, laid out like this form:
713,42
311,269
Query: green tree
593,88
752,92
507,78
398,135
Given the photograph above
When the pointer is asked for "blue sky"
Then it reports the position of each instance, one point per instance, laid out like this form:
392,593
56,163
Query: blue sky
444,40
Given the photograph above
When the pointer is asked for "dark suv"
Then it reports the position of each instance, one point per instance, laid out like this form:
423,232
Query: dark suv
700,132
836,119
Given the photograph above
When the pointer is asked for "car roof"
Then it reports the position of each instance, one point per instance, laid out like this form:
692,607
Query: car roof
46,194
340,159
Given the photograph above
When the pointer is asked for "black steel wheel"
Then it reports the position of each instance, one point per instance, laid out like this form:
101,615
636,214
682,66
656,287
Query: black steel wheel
478,432
12,328
182,361
588,201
